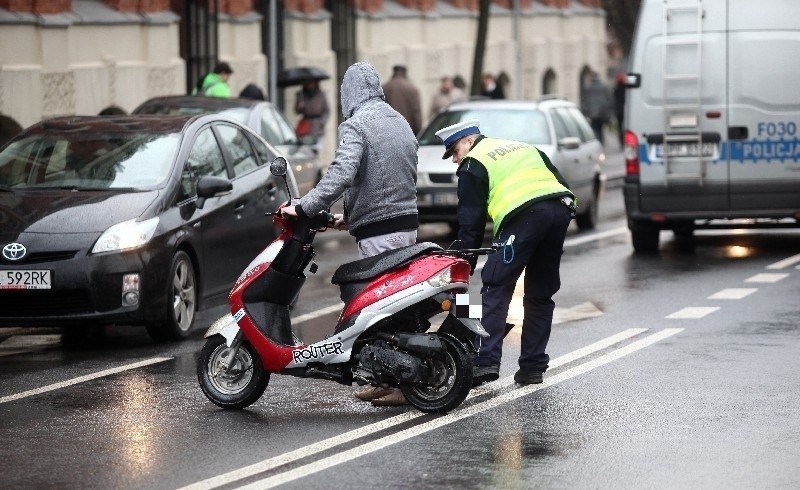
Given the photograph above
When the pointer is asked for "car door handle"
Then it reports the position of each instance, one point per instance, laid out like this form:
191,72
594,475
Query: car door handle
239,206
272,189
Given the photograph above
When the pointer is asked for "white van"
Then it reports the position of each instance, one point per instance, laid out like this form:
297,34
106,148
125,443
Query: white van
712,117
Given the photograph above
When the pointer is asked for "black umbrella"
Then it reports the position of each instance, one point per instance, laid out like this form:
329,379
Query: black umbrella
298,75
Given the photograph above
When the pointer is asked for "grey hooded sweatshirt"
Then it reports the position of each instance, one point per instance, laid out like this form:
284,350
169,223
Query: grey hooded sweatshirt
375,165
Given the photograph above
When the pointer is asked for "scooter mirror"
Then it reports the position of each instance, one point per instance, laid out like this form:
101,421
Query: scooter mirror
278,166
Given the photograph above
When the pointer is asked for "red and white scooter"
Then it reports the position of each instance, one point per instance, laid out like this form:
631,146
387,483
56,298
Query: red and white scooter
383,336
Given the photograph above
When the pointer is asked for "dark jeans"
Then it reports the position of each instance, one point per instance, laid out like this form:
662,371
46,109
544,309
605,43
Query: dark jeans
539,234
597,127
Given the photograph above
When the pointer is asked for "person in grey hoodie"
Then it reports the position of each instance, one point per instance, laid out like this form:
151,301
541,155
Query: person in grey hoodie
375,167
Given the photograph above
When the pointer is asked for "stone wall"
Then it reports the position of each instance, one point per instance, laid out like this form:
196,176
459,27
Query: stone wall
55,62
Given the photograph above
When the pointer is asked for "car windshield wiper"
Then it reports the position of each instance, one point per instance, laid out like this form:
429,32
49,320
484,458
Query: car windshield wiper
72,187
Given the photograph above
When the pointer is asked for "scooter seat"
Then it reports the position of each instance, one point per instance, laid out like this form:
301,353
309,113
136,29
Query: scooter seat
365,269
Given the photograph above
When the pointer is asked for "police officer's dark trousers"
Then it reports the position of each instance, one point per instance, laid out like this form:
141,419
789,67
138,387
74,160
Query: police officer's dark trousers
539,233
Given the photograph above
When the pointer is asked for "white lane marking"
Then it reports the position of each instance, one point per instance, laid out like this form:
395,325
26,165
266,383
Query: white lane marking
595,236
767,277
376,445
782,264
81,379
352,435
733,293
692,312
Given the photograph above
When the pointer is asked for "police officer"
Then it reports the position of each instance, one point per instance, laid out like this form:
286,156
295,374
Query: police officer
517,186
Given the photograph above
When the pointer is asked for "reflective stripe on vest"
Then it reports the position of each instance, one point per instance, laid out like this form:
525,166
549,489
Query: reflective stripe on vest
517,174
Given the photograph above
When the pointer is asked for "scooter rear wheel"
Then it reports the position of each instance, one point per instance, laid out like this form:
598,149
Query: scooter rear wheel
236,387
449,383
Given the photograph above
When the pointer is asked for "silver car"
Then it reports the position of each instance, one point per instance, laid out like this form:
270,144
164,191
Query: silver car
555,126
260,116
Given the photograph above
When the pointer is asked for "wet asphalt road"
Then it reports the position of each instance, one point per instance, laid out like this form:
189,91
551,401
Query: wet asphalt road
673,370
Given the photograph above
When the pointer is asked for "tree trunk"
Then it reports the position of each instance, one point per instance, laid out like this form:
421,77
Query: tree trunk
480,47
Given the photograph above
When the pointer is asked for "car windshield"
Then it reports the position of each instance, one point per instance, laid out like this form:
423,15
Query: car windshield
276,129
85,160
529,126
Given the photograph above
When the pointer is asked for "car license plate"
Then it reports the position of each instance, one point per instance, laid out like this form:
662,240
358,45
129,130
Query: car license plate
25,279
687,149
445,199
424,199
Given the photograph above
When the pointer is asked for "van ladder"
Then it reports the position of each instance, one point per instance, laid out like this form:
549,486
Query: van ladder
682,69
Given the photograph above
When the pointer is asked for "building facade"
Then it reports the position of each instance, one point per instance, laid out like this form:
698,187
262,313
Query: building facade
63,57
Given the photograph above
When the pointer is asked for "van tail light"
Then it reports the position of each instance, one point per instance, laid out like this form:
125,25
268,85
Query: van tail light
631,152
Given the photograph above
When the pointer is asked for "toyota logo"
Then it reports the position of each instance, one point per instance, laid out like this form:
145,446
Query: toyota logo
14,251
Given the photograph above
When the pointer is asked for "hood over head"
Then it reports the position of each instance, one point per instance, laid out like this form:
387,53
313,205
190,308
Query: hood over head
360,84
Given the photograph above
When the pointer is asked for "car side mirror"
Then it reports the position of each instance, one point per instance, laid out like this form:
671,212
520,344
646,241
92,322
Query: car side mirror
569,143
209,186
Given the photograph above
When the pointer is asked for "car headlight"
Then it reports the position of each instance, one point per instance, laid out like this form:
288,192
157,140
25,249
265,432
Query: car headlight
126,236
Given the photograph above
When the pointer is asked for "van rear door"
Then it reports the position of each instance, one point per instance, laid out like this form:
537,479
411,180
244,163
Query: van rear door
764,107
683,68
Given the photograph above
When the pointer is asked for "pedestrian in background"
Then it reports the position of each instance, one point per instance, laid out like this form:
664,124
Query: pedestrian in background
596,105
112,110
490,88
215,84
251,91
446,95
459,82
375,167
619,105
311,103
530,205
404,97
8,129
504,80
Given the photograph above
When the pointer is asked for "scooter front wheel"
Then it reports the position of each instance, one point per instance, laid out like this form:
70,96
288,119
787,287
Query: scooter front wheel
231,382
449,381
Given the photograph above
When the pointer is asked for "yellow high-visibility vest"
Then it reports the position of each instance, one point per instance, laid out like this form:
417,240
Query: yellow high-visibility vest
517,174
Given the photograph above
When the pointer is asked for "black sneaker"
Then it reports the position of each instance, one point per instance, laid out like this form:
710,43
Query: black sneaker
528,377
484,374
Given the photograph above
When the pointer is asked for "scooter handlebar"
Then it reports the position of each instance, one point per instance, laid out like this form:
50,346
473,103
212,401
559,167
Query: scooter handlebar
320,221
467,252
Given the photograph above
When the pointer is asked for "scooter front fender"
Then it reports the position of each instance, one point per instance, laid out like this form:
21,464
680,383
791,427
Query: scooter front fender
225,326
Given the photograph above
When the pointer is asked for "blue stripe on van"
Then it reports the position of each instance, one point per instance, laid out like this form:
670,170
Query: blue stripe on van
750,151
643,158
758,151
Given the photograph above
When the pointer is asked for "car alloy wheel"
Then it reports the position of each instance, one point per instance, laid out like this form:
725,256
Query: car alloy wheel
182,301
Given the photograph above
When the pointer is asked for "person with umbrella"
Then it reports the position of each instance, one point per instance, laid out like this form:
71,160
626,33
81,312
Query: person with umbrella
312,104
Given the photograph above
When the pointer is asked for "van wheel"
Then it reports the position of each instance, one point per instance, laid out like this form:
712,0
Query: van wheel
645,238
